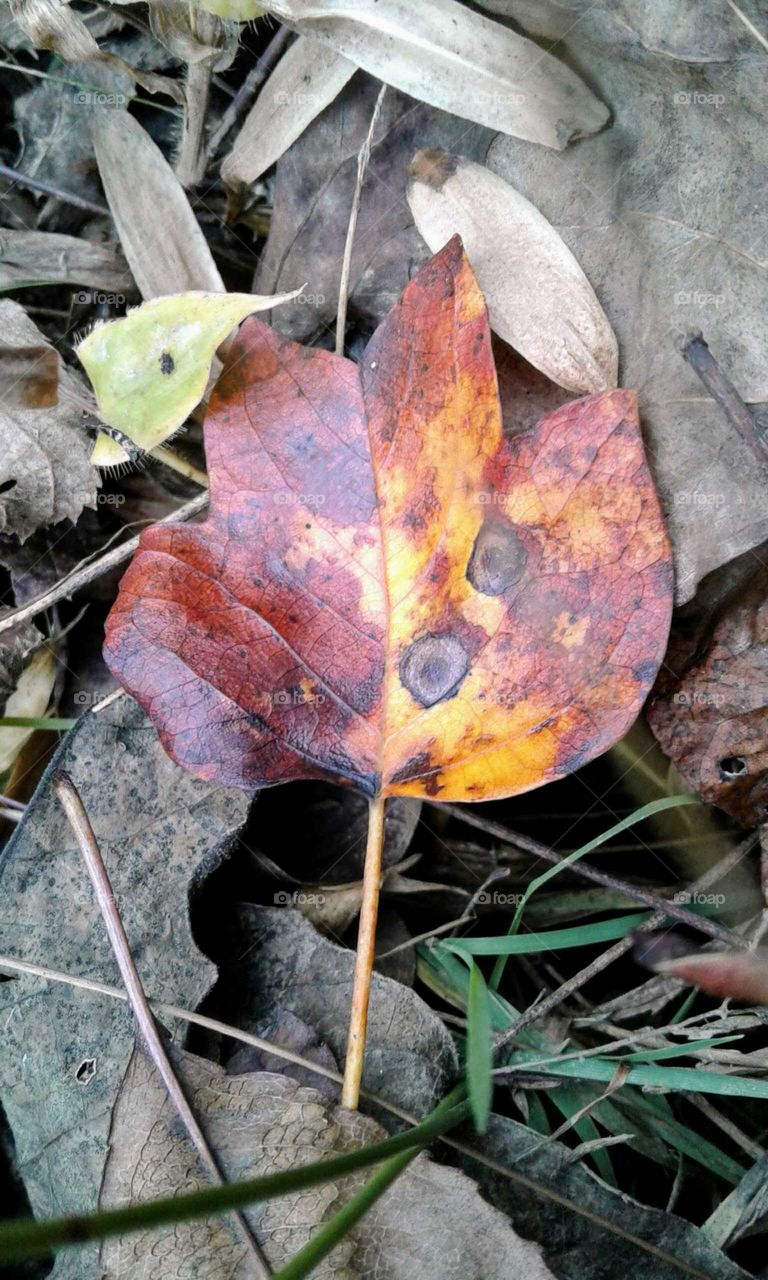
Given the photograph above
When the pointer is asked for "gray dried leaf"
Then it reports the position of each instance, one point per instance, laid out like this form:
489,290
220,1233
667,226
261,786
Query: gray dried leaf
314,189
670,243
538,298
15,647
60,259
259,1124
165,248
742,1212
54,125
581,1246
45,475
444,54
64,1052
307,77
279,961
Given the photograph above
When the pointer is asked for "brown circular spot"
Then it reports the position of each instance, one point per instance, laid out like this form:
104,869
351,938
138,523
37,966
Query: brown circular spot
433,667
498,558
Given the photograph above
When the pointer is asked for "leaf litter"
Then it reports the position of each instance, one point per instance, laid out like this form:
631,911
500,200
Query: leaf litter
625,82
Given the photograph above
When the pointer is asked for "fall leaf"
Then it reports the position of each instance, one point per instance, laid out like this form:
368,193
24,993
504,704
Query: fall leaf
387,593
708,709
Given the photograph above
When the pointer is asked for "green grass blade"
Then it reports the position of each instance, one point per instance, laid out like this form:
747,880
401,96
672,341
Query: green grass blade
479,1049
637,815
523,944
26,1238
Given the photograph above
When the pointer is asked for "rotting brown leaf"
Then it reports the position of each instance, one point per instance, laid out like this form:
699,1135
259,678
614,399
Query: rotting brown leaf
709,711
261,1123
45,475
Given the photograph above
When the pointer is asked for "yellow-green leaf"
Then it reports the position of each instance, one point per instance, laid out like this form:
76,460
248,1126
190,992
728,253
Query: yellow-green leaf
150,369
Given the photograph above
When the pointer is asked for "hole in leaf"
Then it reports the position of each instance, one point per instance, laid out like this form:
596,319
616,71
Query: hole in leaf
733,767
86,1071
5,485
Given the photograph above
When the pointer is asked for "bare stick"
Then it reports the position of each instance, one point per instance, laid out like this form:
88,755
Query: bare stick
725,395
363,157
366,946
584,869
80,578
74,808
256,76
47,189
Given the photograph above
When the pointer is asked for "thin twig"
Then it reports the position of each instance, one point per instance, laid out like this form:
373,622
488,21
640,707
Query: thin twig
749,25
70,800
675,910
47,189
256,76
80,578
363,157
725,395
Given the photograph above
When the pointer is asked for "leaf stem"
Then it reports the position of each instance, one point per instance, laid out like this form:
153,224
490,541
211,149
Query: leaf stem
366,946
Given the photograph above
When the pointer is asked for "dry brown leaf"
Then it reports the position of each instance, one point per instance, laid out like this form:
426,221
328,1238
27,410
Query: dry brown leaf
305,80
446,55
263,1123
166,250
538,298
45,475
60,259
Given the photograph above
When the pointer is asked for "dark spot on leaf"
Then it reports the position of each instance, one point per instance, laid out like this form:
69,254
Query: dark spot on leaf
167,363
433,667
498,558
732,767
